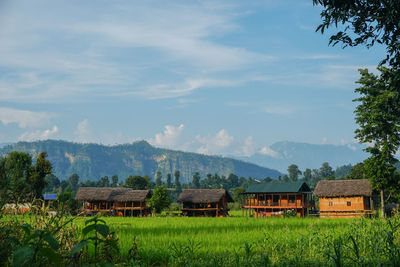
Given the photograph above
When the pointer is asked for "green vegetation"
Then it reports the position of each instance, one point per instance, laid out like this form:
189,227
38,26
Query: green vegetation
378,112
183,241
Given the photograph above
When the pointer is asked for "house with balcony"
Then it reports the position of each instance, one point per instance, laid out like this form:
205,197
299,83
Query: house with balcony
276,199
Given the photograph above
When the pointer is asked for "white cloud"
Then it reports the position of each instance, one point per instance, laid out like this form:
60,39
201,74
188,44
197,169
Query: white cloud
38,135
215,144
83,132
24,118
266,150
248,147
180,38
170,138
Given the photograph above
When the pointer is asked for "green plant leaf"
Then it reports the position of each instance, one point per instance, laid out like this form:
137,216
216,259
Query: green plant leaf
51,241
27,228
94,219
22,256
51,255
88,229
103,229
79,246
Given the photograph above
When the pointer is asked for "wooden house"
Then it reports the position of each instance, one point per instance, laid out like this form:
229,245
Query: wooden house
118,201
275,199
344,198
205,202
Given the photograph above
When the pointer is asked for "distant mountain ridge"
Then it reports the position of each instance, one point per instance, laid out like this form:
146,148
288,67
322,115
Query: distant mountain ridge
282,154
93,161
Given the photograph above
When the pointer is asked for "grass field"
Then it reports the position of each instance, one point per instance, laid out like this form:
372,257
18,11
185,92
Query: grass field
241,241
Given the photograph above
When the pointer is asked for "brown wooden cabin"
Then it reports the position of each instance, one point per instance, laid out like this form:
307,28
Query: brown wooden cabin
274,199
205,202
344,198
117,201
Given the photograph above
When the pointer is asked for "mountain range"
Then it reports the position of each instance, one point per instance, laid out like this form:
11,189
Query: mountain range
282,154
93,161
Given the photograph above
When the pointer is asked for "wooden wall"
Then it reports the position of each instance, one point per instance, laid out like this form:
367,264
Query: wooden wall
340,204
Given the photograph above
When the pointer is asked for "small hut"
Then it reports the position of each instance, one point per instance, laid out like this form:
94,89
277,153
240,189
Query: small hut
205,202
118,201
276,199
344,198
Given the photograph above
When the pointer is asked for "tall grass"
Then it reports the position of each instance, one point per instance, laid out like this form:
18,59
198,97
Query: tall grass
294,241
242,241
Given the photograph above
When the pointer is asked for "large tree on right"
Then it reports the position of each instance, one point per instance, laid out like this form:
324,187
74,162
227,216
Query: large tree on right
378,117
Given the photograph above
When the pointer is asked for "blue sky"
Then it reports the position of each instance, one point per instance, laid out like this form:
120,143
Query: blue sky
214,77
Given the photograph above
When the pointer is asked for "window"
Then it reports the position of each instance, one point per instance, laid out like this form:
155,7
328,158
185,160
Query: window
348,203
291,199
331,204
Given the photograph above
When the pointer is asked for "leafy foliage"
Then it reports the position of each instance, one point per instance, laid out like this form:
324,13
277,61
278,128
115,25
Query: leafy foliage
160,199
364,22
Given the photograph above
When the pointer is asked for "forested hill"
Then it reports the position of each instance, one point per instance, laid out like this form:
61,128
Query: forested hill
93,161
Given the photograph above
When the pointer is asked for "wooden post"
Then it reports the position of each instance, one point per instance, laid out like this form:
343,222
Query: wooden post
124,209
242,206
217,210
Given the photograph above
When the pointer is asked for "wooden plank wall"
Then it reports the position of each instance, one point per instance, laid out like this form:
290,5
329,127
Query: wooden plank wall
340,204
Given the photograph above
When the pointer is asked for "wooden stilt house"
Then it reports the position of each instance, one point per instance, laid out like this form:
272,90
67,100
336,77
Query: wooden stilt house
205,202
275,199
117,201
344,198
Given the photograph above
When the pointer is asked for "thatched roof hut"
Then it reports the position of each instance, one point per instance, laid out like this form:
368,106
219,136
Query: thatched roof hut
343,188
204,195
111,194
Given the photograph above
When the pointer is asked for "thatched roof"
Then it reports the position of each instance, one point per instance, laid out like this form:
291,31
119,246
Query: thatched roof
282,187
111,194
204,195
343,188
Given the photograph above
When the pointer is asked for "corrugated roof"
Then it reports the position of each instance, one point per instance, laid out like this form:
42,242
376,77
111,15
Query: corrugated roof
343,188
288,187
203,195
111,194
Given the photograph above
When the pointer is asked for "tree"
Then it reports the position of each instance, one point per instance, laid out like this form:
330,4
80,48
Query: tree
52,183
237,194
342,171
326,172
137,182
114,180
104,182
38,174
196,180
160,199
73,182
4,182
285,178
294,172
366,22
307,175
233,181
18,168
378,117
358,172
177,183
169,180
158,178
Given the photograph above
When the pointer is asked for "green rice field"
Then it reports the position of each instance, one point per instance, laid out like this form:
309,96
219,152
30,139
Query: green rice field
242,241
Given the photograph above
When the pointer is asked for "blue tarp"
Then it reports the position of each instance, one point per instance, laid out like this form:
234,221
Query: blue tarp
49,196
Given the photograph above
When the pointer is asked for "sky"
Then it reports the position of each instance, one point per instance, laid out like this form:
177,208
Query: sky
213,77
